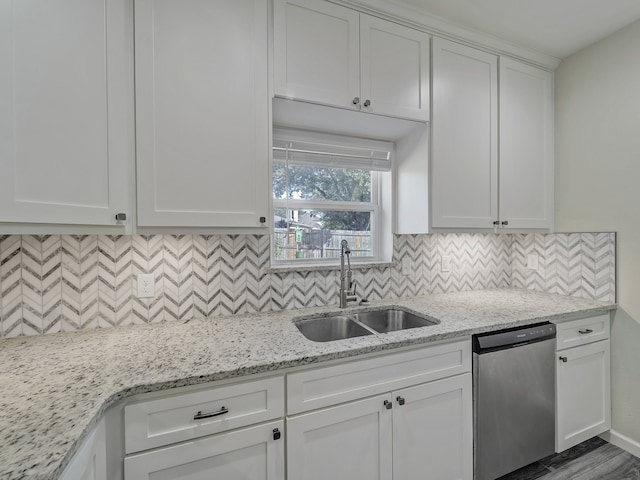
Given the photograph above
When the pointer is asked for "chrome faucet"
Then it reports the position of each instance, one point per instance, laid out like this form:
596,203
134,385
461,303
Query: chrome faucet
346,294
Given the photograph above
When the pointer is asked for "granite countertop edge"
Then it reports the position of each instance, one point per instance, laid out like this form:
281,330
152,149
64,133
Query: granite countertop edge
496,308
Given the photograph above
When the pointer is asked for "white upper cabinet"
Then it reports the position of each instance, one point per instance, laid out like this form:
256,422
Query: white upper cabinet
317,52
478,181
464,128
202,112
526,146
66,111
328,54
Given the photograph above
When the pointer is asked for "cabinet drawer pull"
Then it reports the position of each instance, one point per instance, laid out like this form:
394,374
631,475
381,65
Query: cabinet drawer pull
564,359
585,331
200,415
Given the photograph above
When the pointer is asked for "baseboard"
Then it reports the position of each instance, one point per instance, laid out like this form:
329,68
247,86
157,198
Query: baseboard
622,441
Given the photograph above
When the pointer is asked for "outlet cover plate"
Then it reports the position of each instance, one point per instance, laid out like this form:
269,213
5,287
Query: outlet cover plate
146,285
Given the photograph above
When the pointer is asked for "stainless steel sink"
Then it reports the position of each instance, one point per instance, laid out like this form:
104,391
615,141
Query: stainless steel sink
327,329
383,321
339,327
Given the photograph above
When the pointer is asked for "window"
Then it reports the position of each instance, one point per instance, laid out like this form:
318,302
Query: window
326,189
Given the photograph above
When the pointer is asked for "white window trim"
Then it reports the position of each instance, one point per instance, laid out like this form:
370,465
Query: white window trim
381,204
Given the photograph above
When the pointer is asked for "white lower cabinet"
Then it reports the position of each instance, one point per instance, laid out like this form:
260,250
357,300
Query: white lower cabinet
253,453
351,441
583,406
421,431
90,461
432,430
400,416
230,431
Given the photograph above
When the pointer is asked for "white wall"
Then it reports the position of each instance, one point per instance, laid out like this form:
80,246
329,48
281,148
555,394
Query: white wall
598,186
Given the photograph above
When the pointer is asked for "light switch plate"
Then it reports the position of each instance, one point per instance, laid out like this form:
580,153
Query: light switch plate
446,263
406,266
532,261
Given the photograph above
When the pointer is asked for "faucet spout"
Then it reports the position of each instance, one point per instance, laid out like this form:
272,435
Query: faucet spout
346,284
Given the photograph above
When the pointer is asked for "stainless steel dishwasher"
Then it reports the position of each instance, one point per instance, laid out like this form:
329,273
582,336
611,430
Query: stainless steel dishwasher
514,398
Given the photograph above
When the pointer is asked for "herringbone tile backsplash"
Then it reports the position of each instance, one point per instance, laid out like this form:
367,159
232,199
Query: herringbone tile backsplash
53,283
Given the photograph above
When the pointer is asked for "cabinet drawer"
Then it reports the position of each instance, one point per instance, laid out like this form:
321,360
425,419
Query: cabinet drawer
321,387
248,453
176,418
582,331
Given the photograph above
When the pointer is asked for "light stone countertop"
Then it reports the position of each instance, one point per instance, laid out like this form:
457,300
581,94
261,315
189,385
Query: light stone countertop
55,388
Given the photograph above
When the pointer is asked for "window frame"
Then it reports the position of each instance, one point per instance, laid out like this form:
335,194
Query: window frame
380,206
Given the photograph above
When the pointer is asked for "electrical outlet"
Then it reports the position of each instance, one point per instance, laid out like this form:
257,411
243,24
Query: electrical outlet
146,285
446,263
406,266
532,261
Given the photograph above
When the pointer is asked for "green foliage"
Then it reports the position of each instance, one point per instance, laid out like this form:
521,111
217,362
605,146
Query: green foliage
313,183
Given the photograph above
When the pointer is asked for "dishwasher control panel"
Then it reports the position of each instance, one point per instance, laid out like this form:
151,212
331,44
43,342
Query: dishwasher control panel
513,337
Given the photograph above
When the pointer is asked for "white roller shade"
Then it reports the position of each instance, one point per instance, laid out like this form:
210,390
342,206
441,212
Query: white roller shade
321,150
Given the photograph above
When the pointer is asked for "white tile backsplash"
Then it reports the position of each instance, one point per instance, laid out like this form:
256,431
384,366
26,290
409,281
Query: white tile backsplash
51,283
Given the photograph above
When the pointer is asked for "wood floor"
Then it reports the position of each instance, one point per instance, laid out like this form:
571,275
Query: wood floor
594,459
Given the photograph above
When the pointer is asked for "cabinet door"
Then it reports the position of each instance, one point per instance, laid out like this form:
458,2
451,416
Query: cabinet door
432,430
247,454
464,160
394,69
316,52
526,146
66,121
348,442
583,394
90,461
202,112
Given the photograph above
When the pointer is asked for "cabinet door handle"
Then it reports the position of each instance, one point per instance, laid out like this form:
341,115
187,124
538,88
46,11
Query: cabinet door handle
506,222
585,331
276,434
400,400
367,102
388,405
200,415
496,222
564,359
356,100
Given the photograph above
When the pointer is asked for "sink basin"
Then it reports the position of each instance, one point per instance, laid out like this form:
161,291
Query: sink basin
327,329
383,321
339,327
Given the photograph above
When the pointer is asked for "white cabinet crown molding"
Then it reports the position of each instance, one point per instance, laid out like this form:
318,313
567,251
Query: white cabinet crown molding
438,26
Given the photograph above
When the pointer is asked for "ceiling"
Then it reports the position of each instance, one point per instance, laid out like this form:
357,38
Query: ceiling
553,27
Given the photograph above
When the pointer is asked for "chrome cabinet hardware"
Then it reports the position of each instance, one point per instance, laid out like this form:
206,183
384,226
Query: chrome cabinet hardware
356,100
200,415
367,102
388,405
400,400
564,359
585,331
